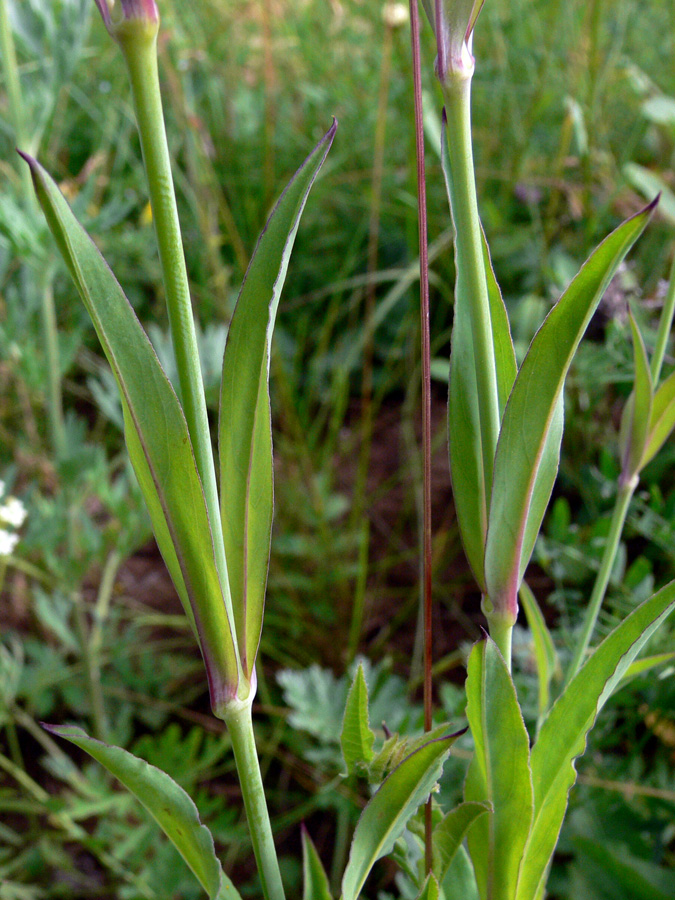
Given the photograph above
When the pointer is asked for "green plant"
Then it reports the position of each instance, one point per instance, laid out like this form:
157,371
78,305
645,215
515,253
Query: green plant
505,432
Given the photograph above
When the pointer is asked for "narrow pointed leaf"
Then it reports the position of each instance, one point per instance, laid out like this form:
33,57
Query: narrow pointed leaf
469,489
157,437
662,419
357,737
530,417
429,888
245,435
638,410
314,878
385,816
168,804
545,653
450,832
563,734
499,773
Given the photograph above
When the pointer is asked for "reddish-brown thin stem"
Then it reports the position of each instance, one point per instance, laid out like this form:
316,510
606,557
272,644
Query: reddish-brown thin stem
426,388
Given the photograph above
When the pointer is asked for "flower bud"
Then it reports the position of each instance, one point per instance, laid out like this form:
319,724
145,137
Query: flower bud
144,11
453,23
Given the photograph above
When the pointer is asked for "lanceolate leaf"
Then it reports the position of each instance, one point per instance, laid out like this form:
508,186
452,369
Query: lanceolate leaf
385,816
530,416
563,735
157,438
662,419
499,773
245,435
314,878
638,410
450,832
357,738
469,489
167,803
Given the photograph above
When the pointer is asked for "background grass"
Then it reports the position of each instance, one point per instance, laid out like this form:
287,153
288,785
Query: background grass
561,105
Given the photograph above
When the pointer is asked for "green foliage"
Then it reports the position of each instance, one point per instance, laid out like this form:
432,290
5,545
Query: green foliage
157,438
499,773
526,461
314,878
245,428
553,183
563,734
386,815
357,737
450,832
167,803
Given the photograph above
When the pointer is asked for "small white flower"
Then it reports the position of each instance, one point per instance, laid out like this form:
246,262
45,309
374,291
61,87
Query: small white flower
8,542
395,14
13,512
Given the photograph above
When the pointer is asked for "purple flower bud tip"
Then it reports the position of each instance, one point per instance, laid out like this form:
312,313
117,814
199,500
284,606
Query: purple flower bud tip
146,10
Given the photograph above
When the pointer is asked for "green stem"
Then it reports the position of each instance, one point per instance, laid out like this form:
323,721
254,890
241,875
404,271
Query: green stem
240,727
469,258
623,498
138,41
665,324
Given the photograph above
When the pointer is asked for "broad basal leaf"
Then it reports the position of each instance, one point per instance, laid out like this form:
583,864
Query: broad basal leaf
499,773
563,734
167,803
157,438
245,433
385,816
519,494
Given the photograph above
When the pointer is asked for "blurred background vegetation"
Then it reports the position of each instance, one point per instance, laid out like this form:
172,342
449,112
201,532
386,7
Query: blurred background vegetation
574,126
